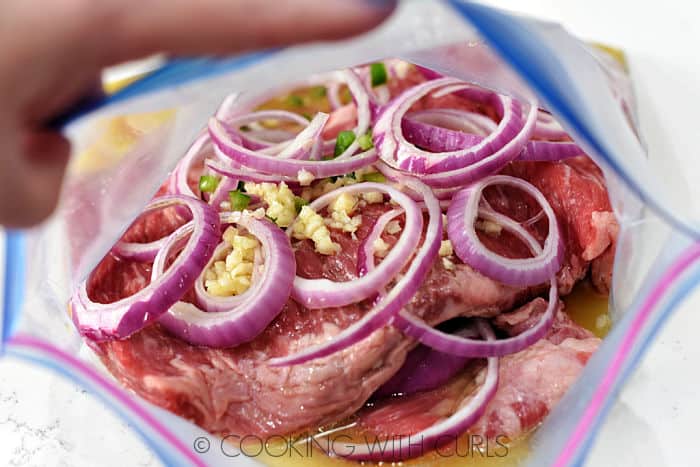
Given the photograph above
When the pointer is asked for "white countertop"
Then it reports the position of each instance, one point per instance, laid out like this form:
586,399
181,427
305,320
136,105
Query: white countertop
45,421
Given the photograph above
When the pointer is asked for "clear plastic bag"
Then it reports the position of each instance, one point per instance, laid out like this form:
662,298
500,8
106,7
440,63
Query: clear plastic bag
107,187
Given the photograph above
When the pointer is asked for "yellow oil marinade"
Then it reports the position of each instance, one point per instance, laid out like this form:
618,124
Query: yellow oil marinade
306,101
303,100
117,136
466,454
588,309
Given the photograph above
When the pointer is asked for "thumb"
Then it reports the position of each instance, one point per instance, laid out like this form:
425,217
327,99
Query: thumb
184,27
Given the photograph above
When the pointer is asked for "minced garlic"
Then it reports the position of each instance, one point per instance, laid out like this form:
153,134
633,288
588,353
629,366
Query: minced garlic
393,227
258,213
401,68
381,248
310,225
342,221
344,203
232,276
373,197
279,198
340,210
305,177
446,248
325,186
488,227
448,264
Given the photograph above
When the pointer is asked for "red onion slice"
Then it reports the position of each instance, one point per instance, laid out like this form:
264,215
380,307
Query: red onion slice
270,141
547,127
265,157
388,139
455,119
213,303
399,295
140,252
423,132
425,369
549,151
464,347
402,448
378,95
257,116
435,138
228,169
446,130
323,293
364,114
333,93
293,166
332,81
365,255
456,345
229,108
120,319
180,178
461,217
200,149
251,142
309,137
249,316
398,152
249,101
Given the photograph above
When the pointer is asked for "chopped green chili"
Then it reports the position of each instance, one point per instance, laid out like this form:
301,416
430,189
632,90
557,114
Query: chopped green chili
344,140
378,74
374,177
365,141
208,183
239,201
318,92
295,101
299,202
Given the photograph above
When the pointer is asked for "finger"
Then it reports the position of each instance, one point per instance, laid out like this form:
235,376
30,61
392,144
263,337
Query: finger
30,183
223,26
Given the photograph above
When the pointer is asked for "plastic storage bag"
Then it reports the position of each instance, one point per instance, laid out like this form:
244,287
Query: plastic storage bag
108,184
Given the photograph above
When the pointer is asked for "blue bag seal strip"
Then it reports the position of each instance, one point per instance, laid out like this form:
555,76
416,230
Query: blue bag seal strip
14,280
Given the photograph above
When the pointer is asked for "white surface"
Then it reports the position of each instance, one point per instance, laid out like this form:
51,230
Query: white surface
46,422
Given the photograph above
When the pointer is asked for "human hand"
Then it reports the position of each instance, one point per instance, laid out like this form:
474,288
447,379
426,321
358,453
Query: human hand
51,55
